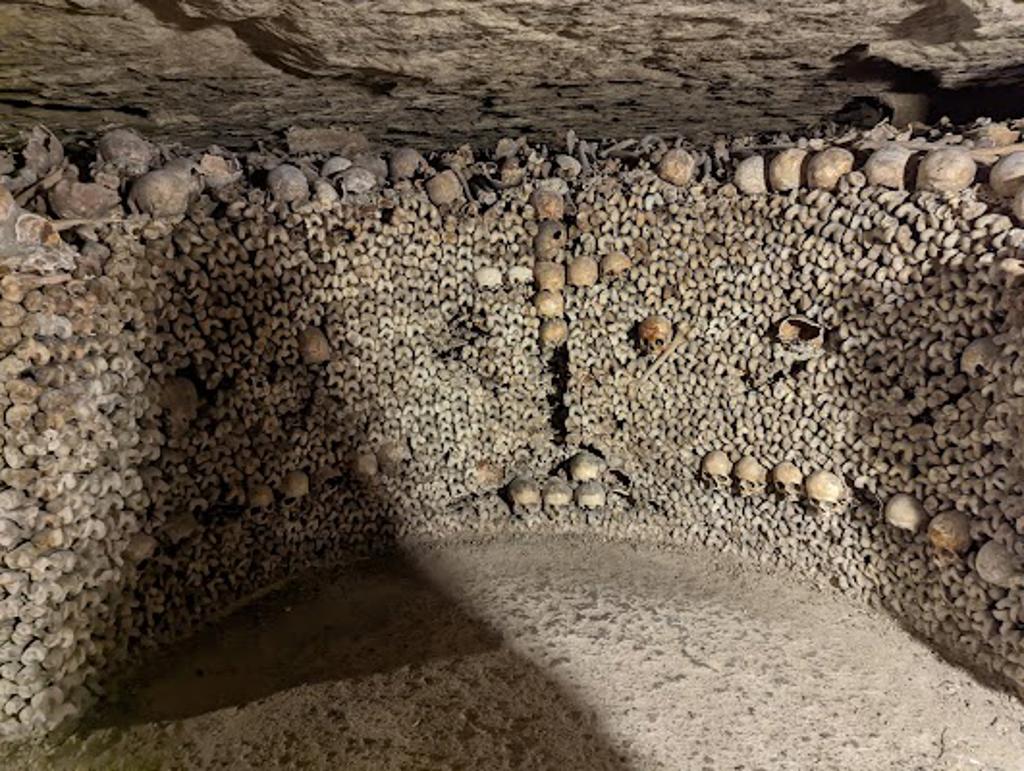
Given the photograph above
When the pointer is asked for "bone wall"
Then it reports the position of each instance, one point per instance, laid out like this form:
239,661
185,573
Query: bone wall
232,368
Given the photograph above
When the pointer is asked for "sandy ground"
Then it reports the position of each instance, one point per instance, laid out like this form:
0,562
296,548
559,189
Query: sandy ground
549,655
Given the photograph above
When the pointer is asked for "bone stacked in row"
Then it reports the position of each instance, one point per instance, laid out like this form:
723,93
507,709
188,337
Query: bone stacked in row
257,363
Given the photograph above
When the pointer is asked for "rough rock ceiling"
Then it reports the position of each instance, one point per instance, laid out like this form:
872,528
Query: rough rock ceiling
440,72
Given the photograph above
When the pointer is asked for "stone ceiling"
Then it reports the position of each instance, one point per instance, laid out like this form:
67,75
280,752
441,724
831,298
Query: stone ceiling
437,73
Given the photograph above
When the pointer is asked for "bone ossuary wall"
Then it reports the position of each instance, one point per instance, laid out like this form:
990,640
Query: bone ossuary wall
220,369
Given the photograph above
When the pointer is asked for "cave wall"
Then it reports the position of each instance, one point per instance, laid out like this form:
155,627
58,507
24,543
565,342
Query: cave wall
312,359
200,71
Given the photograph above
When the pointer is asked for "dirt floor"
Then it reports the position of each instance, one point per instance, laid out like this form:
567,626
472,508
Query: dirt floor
549,655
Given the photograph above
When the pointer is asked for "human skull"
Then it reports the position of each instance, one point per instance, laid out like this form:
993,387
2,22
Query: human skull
549,304
295,485
1007,175
524,492
582,271
127,151
948,170
166,192
585,467
751,476
887,167
334,165
218,171
549,275
548,204
904,512
786,169
357,180
749,177
615,264
676,167
826,168
797,331
288,184
261,496
488,277
444,189
997,565
950,531
71,199
590,495
180,399
556,493
788,481
365,464
553,332
826,492
980,357
653,334
549,240
716,470
313,346
405,163
392,455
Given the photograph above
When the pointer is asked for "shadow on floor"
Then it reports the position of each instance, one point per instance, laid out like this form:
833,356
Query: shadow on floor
388,648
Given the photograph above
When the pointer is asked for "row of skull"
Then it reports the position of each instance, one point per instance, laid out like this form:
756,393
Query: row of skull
825,491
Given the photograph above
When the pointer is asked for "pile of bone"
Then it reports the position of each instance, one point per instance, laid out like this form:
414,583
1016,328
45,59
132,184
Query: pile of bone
583,487
894,165
330,346
71,497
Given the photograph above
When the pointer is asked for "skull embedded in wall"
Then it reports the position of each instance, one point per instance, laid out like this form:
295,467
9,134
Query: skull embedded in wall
946,170
590,495
904,512
313,346
887,167
524,492
800,335
549,240
557,493
295,485
825,169
826,492
677,167
751,476
261,496
997,565
787,481
181,401
653,334
950,532
548,204
716,470
585,466
980,357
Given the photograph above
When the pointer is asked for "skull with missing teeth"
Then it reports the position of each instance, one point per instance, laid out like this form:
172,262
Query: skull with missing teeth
654,334
826,493
751,476
787,481
716,470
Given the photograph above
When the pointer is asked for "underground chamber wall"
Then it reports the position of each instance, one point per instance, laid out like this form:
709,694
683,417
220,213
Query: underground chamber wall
220,369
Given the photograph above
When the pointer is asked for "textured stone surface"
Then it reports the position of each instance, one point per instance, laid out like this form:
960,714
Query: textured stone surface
549,654
441,72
